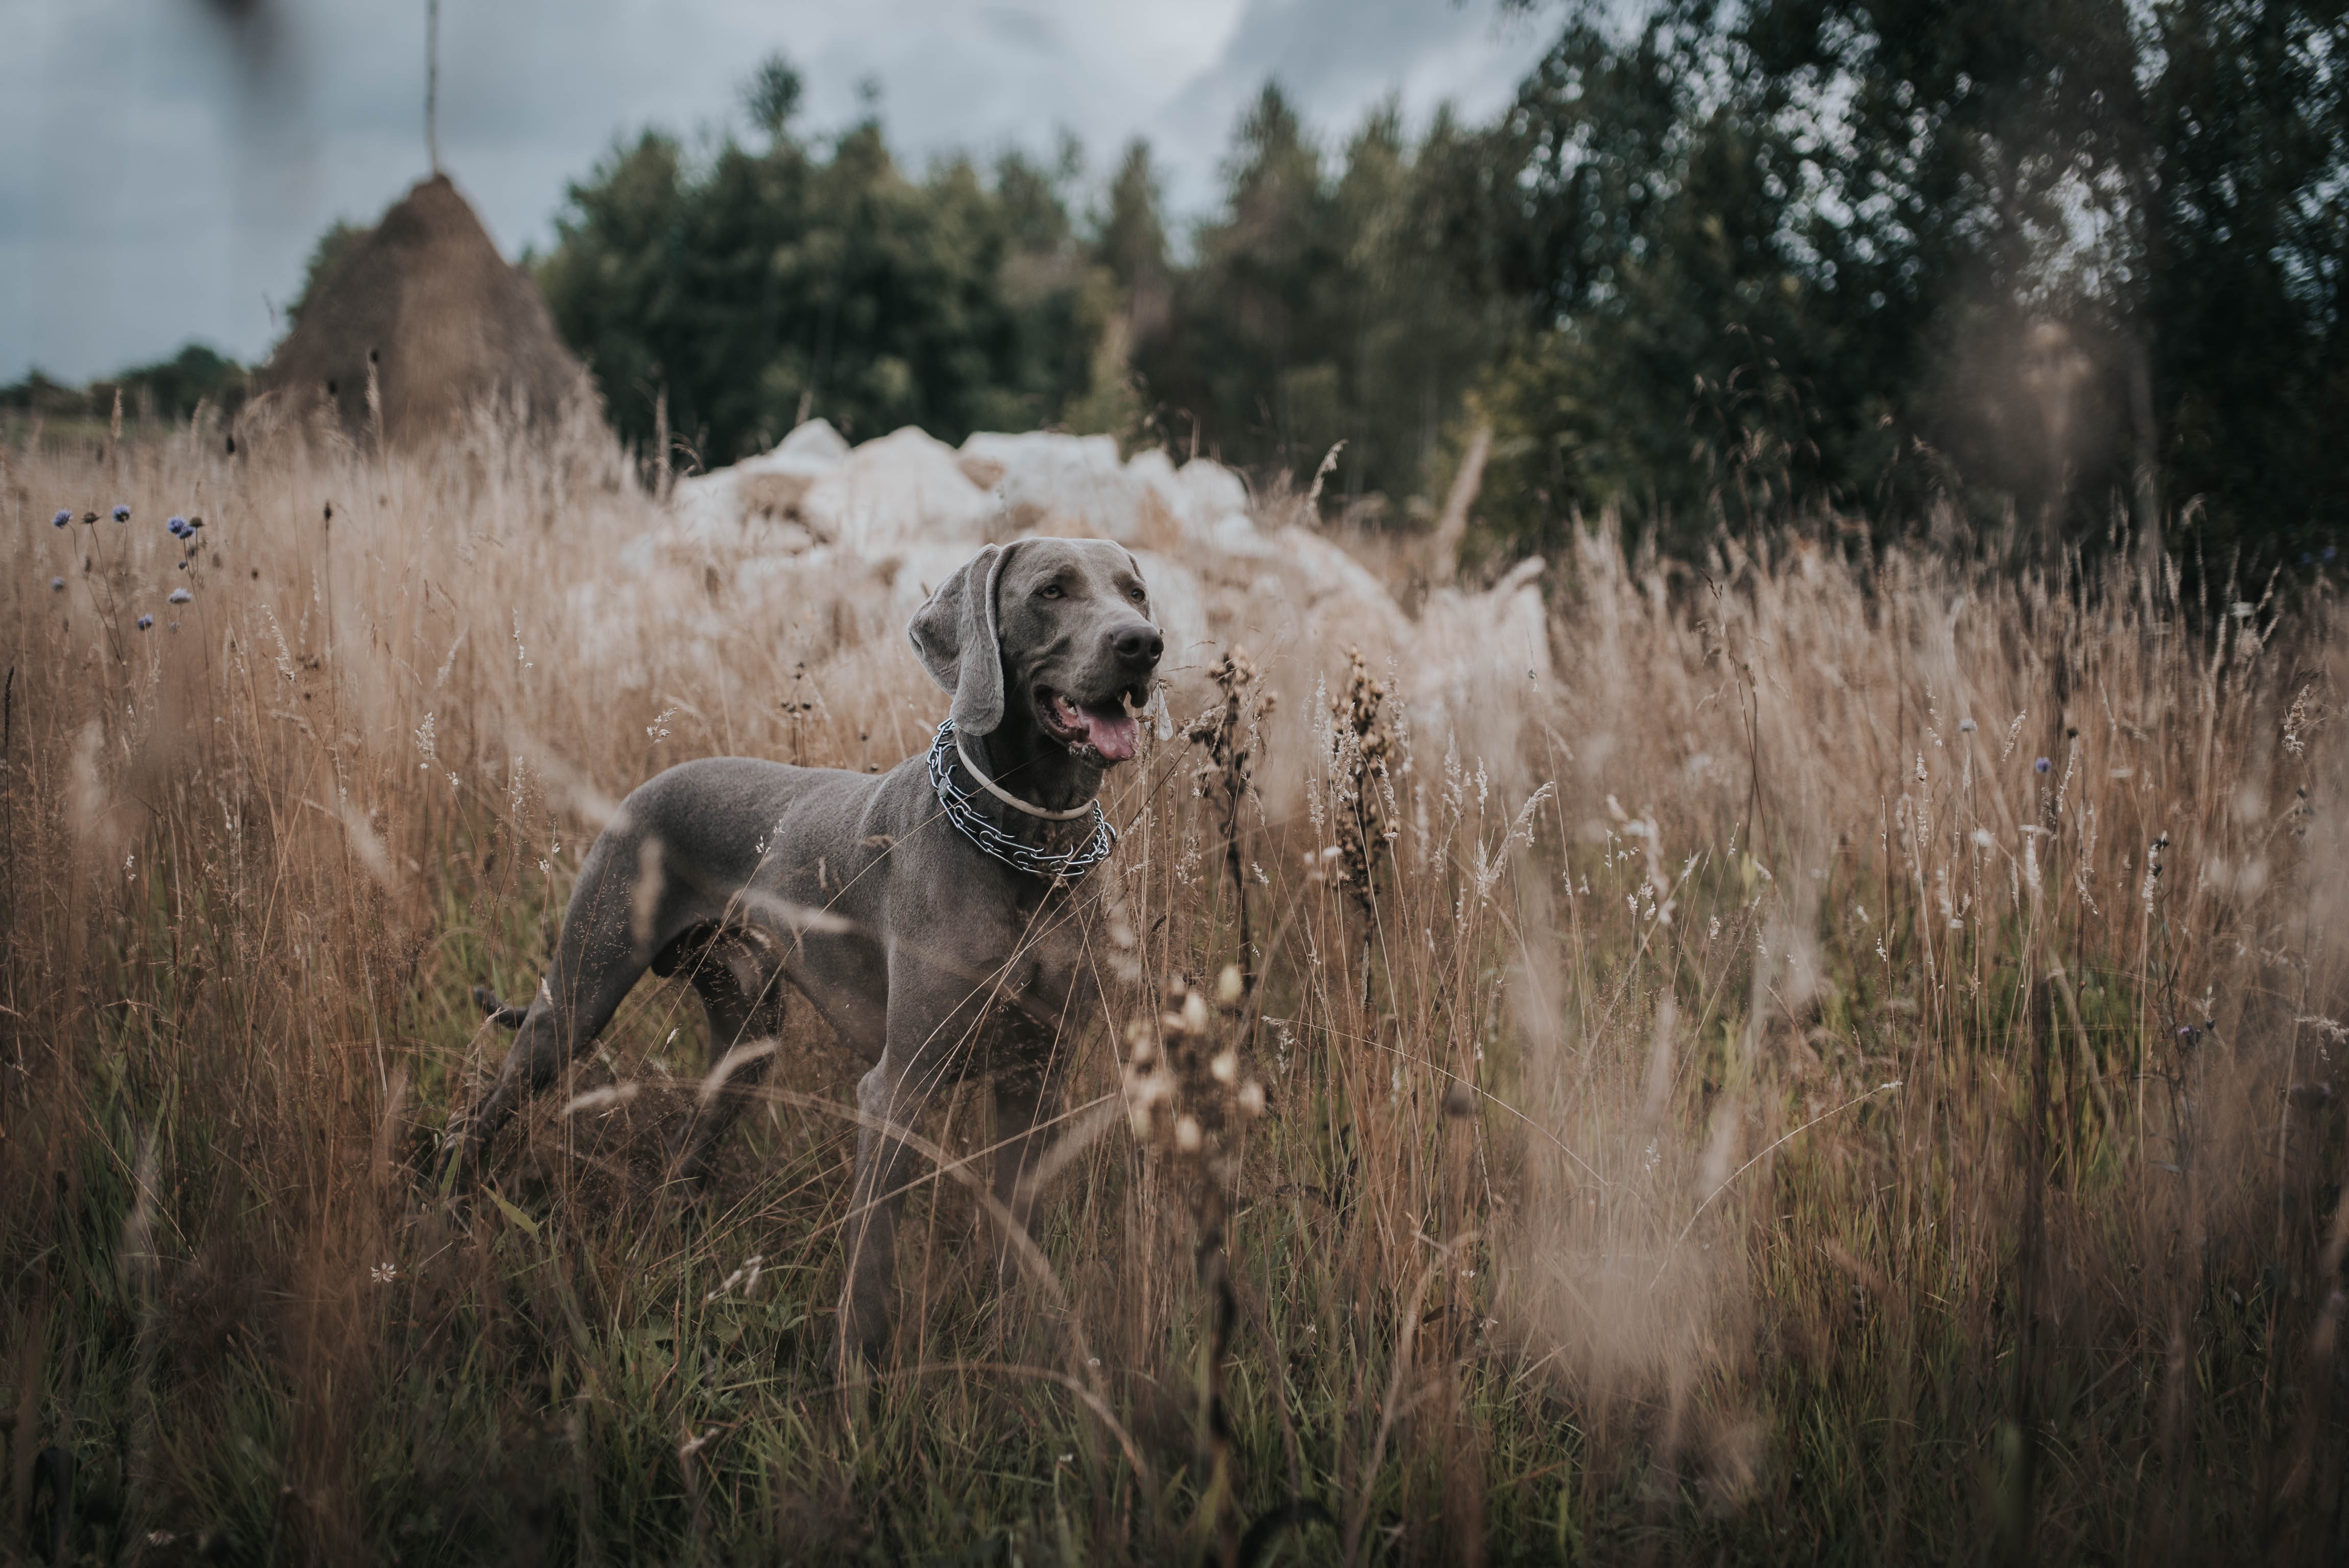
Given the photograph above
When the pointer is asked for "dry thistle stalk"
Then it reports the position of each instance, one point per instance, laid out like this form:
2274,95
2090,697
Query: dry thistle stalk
1190,1100
1226,731
1360,742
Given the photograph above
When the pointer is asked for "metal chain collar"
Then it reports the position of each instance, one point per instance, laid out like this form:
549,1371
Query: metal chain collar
961,806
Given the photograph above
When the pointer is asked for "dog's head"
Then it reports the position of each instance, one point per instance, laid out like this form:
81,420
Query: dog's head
1056,631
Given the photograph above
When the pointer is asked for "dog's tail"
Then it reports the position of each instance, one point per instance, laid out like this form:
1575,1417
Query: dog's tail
497,1012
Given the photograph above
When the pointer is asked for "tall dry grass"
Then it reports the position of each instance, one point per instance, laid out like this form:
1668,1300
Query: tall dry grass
1766,1116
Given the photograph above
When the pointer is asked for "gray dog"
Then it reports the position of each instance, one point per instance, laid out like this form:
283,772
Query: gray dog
935,915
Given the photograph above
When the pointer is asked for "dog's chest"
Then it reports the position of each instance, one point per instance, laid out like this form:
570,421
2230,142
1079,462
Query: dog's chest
1040,998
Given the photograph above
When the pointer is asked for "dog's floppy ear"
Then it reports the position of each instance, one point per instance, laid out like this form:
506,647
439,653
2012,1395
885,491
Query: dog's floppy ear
955,637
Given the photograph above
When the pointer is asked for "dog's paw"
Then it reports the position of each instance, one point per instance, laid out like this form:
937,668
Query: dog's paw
496,1011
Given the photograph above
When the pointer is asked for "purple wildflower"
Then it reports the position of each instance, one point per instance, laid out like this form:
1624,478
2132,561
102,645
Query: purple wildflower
65,516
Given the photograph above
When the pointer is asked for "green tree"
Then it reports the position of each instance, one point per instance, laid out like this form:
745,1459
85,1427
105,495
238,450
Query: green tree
773,96
2247,256
1675,335
2029,258
819,278
1324,305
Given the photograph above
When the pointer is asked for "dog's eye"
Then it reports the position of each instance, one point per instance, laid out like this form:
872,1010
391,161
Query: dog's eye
1049,591
1137,595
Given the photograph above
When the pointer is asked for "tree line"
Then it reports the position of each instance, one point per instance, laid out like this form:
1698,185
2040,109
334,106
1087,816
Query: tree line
2029,267
2032,264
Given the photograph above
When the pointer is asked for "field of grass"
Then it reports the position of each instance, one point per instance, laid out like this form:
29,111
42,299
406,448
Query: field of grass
1857,1087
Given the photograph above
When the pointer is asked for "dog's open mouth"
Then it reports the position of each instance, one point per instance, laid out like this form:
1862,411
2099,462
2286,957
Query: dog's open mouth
1103,731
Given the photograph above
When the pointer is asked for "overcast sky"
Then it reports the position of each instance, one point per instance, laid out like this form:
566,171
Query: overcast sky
170,162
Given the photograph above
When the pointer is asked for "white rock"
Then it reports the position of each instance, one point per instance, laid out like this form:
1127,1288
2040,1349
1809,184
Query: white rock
906,488
815,444
1215,491
1179,605
1480,662
816,552
754,505
1205,501
1052,483
773,483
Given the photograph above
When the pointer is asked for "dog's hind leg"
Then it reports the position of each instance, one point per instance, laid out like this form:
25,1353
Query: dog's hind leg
623,911
562,1017
742,994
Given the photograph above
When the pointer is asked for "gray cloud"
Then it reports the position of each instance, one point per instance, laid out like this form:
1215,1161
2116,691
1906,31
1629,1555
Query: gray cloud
176,158
1337,59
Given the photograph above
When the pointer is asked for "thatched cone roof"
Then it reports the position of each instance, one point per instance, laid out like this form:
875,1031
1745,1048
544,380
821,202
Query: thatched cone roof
446,319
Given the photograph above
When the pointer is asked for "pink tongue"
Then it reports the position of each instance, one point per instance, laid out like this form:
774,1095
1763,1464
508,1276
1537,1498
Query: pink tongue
1114,735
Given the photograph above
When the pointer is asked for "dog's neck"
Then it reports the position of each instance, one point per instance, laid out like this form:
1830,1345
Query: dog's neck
1025,762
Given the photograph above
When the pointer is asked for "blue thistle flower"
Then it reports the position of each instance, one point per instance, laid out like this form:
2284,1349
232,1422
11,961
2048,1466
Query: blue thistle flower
179,527
1967,726
145,622
175,625
180,596
183,564
56,584
2039,766
121,512
65,516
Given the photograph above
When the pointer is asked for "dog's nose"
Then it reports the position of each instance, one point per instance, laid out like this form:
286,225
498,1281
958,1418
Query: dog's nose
1138,644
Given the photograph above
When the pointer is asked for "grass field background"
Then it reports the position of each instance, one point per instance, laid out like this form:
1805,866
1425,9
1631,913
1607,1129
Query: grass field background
1857,1086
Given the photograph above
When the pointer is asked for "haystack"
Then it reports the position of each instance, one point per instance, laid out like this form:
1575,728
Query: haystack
446,321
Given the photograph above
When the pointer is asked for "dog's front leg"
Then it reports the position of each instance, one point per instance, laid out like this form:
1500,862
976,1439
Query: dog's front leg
1026,1101
937,1003
882,1161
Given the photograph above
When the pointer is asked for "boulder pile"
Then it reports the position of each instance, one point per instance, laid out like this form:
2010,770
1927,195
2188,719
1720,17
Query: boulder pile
866,532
